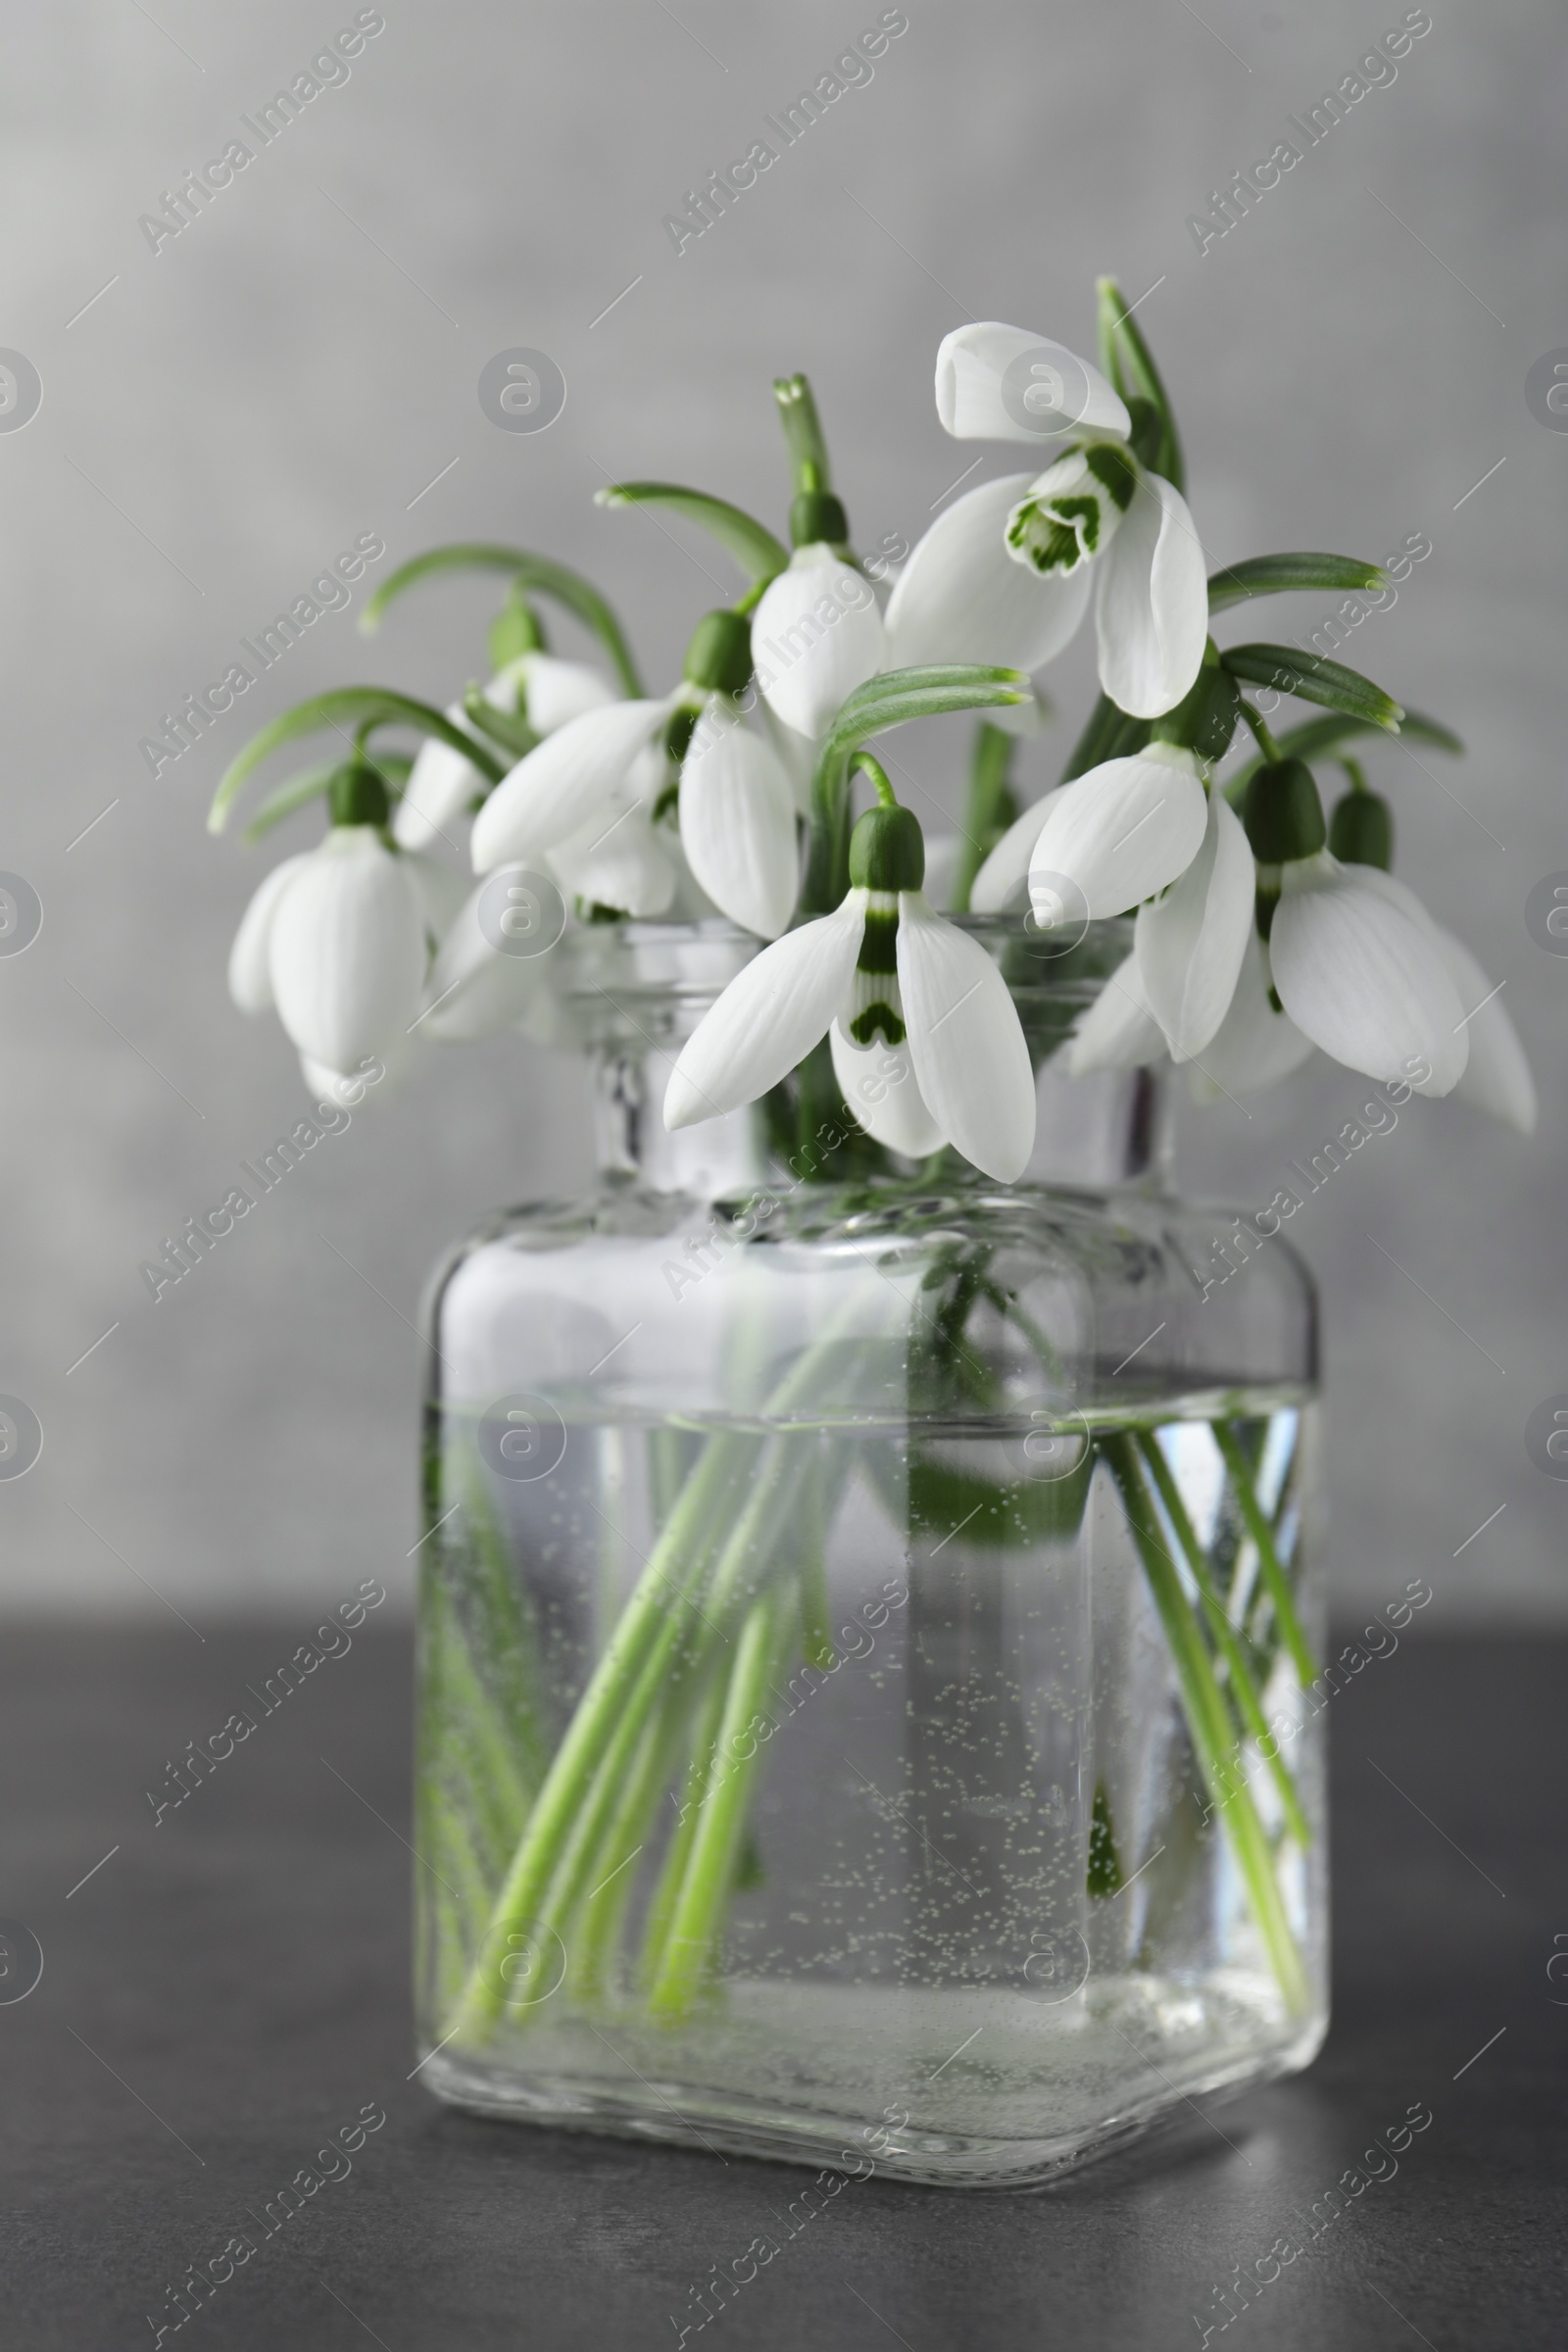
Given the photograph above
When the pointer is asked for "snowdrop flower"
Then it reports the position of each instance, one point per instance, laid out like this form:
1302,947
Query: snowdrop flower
817,635
883,971
554,790
442,785
338,939
1352,953
1095,507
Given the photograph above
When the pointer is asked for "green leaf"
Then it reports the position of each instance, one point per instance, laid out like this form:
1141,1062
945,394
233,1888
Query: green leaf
537,573
1129,364
345,708
754,549
302,789
1274,575
1313,680
1317,738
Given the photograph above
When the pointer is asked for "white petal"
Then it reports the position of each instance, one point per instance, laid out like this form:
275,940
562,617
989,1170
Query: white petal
1123,831
880,1087
1002,878
1497,1077
815,636
1254,1046
441,784
442,892
971,363
619,859
250,981
374,1080
555,692
737,826
1189,943
556,788
1118,1032
797,755
348,948
965,1042
768,1018
1152,607
1363,978
961,597
477,989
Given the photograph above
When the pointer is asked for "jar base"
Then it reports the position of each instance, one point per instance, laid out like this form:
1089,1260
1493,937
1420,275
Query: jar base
1053,2125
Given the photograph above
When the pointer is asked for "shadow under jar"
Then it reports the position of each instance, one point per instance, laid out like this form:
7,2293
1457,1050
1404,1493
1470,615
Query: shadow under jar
867,1626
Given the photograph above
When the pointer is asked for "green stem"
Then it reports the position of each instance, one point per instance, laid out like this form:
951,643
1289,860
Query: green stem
652,1623
1209,1723
687,1955
671,1879
1226,1641
1262,1534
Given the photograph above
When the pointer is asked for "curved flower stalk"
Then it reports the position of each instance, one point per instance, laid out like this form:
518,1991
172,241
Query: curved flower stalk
884,969
1097,507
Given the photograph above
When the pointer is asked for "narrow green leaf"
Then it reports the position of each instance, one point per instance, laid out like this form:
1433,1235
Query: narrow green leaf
345,708
1313,680
1274,575
898,696
754,549
1317,738
529,571
1129,364
302,789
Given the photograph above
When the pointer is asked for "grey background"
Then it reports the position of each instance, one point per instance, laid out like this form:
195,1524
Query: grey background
231,412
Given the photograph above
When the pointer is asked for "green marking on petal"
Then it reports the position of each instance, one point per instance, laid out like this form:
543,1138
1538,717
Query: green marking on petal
879,939
877,1021
1110,466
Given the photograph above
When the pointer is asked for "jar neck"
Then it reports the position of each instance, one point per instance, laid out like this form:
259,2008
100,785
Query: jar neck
640,990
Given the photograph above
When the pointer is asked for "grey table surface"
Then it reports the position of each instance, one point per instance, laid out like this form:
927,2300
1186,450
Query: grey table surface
228,1987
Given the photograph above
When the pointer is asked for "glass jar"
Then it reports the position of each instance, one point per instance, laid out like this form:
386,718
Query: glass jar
867,1626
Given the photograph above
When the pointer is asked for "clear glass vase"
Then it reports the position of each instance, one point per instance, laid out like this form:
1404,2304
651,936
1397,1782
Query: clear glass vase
867,1627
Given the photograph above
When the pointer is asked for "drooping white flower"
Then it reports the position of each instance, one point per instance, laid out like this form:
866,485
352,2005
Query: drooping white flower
816,635
1118,834
1190,941
347,947
1093,505
955,601
737,822
1357,966
885,968
1254,1047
